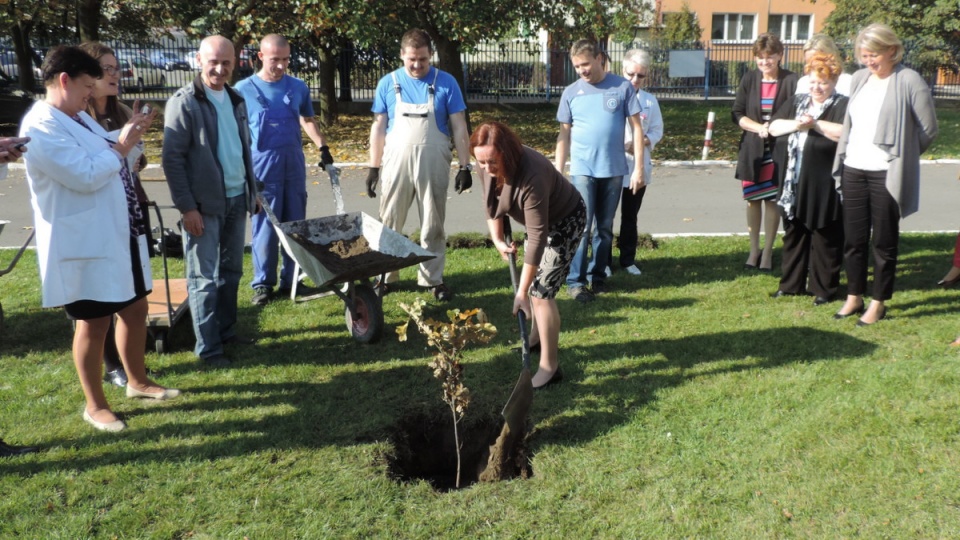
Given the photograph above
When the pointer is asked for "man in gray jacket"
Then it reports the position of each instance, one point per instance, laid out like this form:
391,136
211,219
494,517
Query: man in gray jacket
207,162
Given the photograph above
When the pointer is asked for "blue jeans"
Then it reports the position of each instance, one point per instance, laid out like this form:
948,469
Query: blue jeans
284,177
601,195
214,262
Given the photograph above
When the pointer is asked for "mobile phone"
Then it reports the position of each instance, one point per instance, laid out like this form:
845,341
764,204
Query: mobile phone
146,109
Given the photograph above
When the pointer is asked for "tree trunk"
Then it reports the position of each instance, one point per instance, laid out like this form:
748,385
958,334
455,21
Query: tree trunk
344,65
21,45
88,19
448,53
328,91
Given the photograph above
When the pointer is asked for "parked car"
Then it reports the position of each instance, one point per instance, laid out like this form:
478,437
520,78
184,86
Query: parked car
168,61
138,74
10,67
13,105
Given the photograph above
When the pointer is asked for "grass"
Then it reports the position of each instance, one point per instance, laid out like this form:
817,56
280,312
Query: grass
693,406
684,126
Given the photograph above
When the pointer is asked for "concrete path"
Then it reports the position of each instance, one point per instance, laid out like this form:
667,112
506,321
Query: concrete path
683,200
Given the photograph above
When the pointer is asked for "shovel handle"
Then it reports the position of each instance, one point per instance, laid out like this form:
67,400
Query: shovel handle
514,278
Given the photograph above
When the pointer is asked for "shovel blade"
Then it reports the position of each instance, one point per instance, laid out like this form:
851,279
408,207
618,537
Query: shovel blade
518,405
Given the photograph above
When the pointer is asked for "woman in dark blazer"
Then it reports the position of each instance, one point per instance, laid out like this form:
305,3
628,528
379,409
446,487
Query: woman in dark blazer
807,134
761,94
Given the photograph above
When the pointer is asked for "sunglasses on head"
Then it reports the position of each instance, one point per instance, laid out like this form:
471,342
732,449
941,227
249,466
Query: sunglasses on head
635,75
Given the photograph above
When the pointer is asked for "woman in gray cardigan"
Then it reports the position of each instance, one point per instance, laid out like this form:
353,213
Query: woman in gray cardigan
890,121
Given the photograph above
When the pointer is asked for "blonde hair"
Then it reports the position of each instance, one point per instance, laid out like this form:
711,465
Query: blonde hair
879,38
824,66
822,43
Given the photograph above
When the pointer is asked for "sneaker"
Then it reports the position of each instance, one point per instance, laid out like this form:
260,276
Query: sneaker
442,293
580,294
261,295
633,270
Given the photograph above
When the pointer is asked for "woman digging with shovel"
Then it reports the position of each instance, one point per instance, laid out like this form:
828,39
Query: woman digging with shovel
520,183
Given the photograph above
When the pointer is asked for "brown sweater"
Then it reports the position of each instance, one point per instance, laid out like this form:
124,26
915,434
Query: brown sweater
537,199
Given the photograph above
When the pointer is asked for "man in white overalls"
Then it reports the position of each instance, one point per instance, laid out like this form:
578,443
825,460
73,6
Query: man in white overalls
416,108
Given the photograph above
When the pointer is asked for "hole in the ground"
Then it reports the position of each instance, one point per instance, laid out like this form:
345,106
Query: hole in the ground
424,449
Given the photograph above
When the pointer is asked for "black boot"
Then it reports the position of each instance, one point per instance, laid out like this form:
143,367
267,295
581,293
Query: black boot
8,450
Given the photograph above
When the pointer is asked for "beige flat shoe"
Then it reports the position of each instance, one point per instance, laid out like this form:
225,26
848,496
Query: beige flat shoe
115,426
165,394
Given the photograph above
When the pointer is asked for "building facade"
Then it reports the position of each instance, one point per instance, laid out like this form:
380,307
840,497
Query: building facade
741,21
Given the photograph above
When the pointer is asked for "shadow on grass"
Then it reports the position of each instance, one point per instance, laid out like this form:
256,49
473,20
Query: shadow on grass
675,362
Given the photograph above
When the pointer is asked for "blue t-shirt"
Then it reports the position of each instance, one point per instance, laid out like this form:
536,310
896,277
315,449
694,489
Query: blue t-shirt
598,114
287,92
229,147
447,99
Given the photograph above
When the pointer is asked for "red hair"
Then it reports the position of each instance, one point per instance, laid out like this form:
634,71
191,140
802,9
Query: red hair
506,146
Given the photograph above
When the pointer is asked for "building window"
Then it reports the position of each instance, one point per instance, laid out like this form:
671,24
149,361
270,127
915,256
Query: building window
791,27
733,27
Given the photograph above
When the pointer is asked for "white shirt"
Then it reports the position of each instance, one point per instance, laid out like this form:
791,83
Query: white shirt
864,111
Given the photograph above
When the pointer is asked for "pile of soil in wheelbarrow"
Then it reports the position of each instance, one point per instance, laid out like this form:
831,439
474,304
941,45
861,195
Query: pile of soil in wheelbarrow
353,258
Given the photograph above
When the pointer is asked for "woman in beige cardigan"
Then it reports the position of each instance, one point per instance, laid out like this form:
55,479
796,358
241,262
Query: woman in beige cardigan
890,121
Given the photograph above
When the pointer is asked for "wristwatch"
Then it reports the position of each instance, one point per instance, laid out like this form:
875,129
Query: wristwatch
468,167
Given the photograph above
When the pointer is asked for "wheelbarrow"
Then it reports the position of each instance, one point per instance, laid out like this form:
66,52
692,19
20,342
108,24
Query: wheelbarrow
341,254
13,263
167,302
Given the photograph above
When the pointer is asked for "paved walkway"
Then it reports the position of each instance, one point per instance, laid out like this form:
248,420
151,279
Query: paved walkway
701,199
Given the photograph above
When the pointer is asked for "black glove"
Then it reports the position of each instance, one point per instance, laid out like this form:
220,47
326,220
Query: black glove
464,181
373,176
325,157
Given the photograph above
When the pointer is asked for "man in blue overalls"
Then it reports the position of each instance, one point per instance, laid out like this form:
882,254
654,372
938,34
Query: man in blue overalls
416,109
278,105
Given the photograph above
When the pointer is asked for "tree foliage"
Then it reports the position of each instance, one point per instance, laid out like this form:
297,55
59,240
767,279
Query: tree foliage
930,28
680,27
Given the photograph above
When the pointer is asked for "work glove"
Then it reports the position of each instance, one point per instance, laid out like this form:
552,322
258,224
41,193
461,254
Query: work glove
464,181
373,176
325,157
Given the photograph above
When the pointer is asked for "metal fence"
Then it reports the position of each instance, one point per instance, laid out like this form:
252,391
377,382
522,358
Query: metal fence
495,72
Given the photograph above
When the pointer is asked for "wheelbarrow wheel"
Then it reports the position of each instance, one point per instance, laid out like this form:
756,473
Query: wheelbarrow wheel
366,325
160,342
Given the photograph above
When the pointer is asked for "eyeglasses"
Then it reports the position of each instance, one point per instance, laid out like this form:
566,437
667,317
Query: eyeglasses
629,75
110,70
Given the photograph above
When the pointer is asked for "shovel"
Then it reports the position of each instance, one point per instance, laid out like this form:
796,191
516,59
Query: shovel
515,412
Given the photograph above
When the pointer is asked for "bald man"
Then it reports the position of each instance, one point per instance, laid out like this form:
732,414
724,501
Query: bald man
278,106
209,169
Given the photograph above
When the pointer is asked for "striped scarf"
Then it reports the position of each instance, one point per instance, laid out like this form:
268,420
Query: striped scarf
788,198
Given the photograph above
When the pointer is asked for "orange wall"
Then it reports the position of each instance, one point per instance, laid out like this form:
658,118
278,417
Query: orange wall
706,8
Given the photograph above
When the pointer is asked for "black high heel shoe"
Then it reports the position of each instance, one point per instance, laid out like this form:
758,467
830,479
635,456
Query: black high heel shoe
752,264
859,311
883,315
948,283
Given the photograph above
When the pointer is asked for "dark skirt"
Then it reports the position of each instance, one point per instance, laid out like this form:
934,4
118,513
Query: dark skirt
84,310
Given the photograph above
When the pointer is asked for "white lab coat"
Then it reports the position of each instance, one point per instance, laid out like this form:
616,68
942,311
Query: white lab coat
79,210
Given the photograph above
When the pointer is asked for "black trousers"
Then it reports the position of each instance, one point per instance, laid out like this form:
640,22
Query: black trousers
630,203
868,206
816,254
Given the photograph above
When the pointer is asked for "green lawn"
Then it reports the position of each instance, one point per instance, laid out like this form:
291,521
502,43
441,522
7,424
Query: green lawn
693,406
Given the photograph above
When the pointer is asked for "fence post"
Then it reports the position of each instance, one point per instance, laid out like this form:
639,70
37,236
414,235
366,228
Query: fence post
549,79
706,74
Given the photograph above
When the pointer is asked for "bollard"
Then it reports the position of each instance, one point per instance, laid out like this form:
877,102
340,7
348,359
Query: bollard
708,136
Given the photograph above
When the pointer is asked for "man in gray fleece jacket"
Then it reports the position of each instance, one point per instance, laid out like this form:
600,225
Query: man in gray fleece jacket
207,162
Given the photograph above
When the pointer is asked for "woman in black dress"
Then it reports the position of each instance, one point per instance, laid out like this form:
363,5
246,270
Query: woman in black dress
807,134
